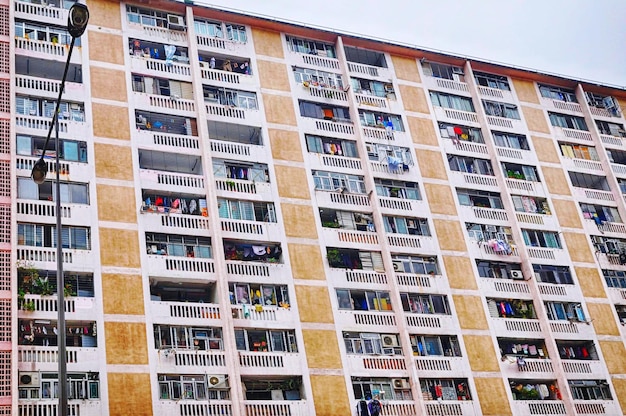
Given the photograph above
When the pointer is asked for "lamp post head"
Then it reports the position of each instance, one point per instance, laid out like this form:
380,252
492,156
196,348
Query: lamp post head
39,172
77,20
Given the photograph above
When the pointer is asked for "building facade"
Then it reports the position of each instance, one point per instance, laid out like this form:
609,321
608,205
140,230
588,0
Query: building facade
261,218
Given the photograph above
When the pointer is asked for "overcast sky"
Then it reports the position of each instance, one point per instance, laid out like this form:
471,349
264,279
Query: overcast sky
578,38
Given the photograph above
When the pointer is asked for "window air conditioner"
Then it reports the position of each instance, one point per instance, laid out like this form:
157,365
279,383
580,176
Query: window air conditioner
389,341
398,266
216,382
29,379
175,22
517,274
400,383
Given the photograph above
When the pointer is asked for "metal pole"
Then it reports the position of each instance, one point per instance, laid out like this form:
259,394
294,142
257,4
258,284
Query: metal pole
61,336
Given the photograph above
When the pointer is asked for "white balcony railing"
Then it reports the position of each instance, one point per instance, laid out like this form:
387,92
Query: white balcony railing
371,100
238,268
180,267
495,93
269,362
583,135
450,408
183,310
77,357
42,12
539,407
321,61
445,114
612,140
327,93
341,200
160,180
516,327
50,407
262,313
276,408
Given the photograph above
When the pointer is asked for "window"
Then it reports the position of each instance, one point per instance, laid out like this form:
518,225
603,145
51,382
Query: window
437,345
584,180
71,193
416,265
236,33
444,71
485,232
318,78
531,204
455,102
344,258
523,172
311,47
234,98
526,389
347,220
178,245
146,17
170,162
255,172
37,235
472,134
558,93
366,57
188,338
470,165
252,251
612,129
445,389
363,300
553,274
165,123
510,140
567,121
259,294
173,204
565,311
425,303
590,389
246,210
41,333
616,156
576,151
481,199
537,238
382,153
511,308
42,107
577,350
331,146
80,386
376,119
40,32
498,109
209,28
498,270
402,225
369,87
601,213
492,81
397,189
333,181
324,111
608,245
261,340
234,133
388,389
192,387
362,343
615,278
529,348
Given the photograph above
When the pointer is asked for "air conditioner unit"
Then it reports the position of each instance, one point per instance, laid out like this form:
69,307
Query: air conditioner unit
388,351
29,380
398,266
217,382
389,341
175,22
400,383
517,274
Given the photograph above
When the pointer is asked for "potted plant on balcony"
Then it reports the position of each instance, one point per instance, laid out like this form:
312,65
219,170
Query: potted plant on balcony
334,258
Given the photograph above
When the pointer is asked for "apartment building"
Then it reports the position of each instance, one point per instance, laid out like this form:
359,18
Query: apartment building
261,218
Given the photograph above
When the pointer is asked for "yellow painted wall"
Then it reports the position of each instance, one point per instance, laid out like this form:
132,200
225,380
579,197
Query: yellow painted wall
555,181
106,47
122,294
481,353
110,121
525,90
492,396
292,182
314,304
322,348
431,164
105,13
567,213
459,272
590,282
118,338
129,394
306,262
273,75
279,109
285,145
603,320
614,354
330,395
299,221
470,312
619,384
113,162
108,84
119,248
109,207
406,68
413,99
578,247
536,120
422,131
450,235
440,199
267,43
545,150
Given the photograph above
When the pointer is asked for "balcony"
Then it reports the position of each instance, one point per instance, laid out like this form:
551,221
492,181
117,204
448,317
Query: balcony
340,200
506,123
49,407
269,363
364,320
587,166
592,195
170,223
263,272
166,181
226,78
261,231
341,164
38,126
619,170
45,258
583,368
337,237
517,185
328,95
164,104
482,250
167,142
180,267
387,170
539,407
157,34
617,295
548,255
451,407
230,114
612,140
597,407
608,229
431,323
189,313
251,315
488,92
159,68
452,116
519,154
370,70
357,278
46,50
581,135
189,361
534,368
343,129
516,327
376,366
557,292
411,282
401,206
499,288
69,171
44,212
276,407
572,330
412,244
45,307
317,61
446,85
220,45
42,13
48,88
36,358
382,134
477,214
561,105
239,151
235,187
465,147
537,219
434,366
463,179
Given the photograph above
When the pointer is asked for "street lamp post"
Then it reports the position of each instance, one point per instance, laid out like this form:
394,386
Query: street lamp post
77,19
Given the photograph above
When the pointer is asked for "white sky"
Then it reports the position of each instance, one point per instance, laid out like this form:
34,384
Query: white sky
577,38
